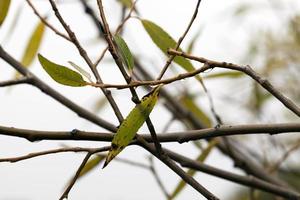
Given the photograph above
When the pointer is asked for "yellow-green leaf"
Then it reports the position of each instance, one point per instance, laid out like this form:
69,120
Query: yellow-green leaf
189,103
225,75
33,44
124,52
4,6
91,164
132,124
127,3
61,74
164,41
201,158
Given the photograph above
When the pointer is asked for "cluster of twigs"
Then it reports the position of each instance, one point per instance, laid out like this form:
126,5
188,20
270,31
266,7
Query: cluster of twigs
257,177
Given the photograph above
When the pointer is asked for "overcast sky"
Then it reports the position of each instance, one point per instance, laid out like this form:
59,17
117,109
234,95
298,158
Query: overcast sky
223,38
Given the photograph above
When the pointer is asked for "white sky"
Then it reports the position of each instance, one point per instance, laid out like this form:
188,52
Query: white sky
26,107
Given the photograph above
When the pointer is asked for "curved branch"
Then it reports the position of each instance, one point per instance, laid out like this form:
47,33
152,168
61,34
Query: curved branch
247,70
54,151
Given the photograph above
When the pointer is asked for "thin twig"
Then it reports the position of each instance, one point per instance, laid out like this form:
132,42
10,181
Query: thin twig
276,166
119,28
247,70
88,10
18,81
54,151
171,58
153,83
175,168
44,20
72,182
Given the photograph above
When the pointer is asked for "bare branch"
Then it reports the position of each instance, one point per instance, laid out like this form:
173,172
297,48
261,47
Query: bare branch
113,51
44,20
61,150
249,181
72,182
18,81
247,70
171,58
180,137
180,172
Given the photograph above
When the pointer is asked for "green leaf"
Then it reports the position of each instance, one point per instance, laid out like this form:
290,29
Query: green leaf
81,71
4,6
225,75
127,3
188,102
62,74
33,44
132,124
125,52
201,158
91,164
164,41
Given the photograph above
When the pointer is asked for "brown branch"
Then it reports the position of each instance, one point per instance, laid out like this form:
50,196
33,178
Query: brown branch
249,181
247,70
72,182
85,56
113,51
180,137
171,58
153,83
239,154
175,168
44,20
119,28
61,150
35,81
18,81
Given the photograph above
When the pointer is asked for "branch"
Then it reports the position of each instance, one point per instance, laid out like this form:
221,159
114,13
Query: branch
175,168
119,28
180,137
85,56
18,81
171,58
238,154
247,70
61,150
35,81
153,83
249,181
68,189
44,20
88,10
113,51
